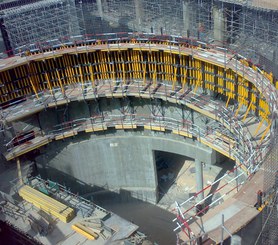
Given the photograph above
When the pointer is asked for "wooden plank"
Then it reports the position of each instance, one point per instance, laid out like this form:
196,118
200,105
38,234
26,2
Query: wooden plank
125,126
182,133
155,128
47,204
66,135
95,129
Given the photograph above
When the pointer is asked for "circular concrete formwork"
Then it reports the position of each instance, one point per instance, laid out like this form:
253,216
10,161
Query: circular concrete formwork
152,69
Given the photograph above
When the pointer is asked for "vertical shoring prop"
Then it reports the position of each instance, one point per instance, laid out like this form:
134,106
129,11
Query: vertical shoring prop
47,79
31,81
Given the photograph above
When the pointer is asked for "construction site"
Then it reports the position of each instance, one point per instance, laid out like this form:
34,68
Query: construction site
139,122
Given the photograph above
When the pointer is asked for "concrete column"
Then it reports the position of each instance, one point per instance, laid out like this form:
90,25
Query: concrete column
219,24
99,8
199,179
19,171
139,12
185,15
105,6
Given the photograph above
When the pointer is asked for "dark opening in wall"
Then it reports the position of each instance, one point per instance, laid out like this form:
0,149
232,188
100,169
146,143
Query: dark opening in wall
168,166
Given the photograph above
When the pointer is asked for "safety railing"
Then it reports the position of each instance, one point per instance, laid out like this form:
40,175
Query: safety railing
106,87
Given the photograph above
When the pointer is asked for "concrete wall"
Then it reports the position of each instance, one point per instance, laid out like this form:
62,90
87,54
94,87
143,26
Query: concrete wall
116,161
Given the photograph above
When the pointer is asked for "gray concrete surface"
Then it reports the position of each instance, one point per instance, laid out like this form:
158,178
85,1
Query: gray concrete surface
116,161
219,24
199,178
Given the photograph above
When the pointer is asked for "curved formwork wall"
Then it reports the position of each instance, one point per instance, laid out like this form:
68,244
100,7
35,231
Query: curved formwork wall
220,86
205,73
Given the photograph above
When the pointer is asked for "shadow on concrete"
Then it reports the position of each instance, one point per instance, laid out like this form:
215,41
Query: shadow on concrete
213,190
168,166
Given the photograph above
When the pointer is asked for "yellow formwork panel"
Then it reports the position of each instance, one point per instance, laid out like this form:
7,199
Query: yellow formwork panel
96,67
131,67
41,77
104,65
118,67
123,67
86,74
47,204
167,66
173,70
183,71
191,71
110,65
220,81
141,66
154,65
62,72
69,68
253,98
264,111
138,64
230,84
162,60
135,60
150,65
243,91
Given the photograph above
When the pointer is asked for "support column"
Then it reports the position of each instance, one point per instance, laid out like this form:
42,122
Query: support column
219,24
19,174
199,179
139,14
105,6
99,8
185,16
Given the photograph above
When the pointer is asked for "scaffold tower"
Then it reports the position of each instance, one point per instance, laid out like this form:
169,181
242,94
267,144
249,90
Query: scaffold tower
269,234
42,21
249,27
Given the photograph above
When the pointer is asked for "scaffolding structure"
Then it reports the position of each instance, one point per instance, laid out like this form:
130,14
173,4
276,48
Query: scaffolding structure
269,234
248,27
41,21
245,26
241,25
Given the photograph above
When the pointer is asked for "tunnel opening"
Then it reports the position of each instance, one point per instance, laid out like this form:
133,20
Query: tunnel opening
168,169
176,179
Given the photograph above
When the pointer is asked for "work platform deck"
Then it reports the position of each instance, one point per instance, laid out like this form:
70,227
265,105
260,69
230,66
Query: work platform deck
238,211
197,102
48,230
